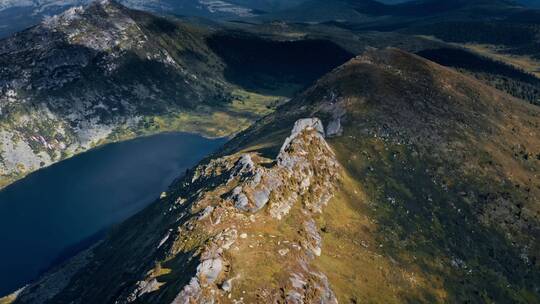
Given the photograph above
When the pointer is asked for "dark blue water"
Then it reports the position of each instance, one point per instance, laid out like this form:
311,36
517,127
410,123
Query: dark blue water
59,209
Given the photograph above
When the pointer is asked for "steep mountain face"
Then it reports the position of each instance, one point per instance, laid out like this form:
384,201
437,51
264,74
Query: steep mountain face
417,184
103,73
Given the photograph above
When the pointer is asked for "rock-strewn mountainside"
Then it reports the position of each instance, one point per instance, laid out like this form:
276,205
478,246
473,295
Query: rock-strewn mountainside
417,184
104,72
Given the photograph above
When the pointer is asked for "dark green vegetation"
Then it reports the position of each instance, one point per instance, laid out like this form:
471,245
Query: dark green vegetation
256,63
517,33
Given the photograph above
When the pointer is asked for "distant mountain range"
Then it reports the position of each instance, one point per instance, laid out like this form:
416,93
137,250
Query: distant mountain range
16,15
371,11
530,3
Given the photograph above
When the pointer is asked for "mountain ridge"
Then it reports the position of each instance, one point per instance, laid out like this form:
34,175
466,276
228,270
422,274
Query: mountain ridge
426,203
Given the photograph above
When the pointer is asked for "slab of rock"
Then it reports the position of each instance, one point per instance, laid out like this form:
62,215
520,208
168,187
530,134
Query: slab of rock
334,128
227,285
209,270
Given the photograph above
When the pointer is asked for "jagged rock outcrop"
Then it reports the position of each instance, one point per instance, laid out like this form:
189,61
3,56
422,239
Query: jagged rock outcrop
440,194
305,174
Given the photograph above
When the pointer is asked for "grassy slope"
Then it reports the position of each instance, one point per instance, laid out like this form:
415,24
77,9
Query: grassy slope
440,199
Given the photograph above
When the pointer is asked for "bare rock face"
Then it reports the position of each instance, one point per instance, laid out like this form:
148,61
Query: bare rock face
334,127
300,159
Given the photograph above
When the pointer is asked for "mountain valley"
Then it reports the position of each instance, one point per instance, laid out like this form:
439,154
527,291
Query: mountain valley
107,73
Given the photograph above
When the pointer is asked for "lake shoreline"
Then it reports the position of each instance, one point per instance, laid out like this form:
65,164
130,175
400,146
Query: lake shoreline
56,212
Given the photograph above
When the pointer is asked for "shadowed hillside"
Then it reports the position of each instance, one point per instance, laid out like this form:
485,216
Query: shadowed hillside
500,75
253,62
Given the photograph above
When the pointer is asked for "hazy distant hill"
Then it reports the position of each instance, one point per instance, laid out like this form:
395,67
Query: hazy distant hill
17,15
364,11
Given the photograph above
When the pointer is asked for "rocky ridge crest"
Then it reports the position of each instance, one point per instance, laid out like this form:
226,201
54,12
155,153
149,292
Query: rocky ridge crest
305,172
